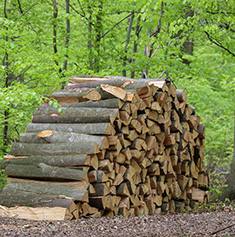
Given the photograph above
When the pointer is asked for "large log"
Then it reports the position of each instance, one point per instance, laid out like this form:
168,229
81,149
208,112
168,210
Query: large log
53,149
87,141
60,161
44,171
74,184
31,194
127,83
47,189
83,94
85,128
109,103
74,111
80,79
69,119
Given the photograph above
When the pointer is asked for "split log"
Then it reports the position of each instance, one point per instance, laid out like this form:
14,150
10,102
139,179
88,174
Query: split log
44,171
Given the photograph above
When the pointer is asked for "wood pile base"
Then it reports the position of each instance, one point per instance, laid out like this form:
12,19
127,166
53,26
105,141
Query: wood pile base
118,147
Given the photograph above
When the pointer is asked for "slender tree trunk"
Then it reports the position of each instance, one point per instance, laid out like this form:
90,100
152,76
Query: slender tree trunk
55,16
137,34
98,32
7,84
127,43
65,64
149,51
188,45
229,191
90,37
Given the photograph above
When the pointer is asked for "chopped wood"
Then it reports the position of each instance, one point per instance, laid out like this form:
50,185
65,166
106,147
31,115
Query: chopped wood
135,147
116,91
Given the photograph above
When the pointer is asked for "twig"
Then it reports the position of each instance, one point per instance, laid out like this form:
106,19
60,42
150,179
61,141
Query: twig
5,9
102,36
20,8
222,229
218,44
165,71
79,13
158,29
127,42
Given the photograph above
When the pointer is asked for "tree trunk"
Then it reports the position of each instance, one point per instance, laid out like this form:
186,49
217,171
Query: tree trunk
229,191
65,64
127,43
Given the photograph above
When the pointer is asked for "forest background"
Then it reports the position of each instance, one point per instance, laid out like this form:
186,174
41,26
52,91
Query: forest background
44,42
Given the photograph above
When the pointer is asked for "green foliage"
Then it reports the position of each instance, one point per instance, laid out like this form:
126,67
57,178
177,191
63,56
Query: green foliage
19,103
30,67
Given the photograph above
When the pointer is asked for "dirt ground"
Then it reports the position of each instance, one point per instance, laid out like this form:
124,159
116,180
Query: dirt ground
220,223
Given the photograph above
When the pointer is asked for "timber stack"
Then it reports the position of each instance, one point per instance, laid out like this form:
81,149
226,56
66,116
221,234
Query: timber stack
119,146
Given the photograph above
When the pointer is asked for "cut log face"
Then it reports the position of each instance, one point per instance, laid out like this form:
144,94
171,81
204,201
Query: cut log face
134,147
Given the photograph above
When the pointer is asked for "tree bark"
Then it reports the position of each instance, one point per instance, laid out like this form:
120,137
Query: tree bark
137,34
109,104
65,137
69,119
76,112
65,64
37,190
83,94
59,161
74,184
229,191
127,43
85,128
53,149
44,171
116,81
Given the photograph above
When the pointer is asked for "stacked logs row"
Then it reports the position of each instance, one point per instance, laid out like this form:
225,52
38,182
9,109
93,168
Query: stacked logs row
118,147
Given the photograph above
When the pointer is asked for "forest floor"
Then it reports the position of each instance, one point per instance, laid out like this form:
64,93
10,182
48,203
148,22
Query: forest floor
219,222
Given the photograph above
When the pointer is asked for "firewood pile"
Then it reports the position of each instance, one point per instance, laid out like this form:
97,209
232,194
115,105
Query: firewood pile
119,146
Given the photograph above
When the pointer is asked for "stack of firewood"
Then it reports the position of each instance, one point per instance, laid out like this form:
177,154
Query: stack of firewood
118,146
